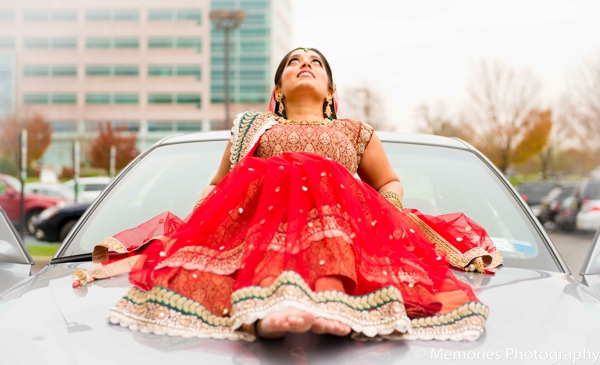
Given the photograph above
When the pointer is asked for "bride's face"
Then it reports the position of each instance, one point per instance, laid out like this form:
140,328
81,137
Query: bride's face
304,74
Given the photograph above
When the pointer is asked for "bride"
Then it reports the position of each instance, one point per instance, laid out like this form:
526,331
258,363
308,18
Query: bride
286,239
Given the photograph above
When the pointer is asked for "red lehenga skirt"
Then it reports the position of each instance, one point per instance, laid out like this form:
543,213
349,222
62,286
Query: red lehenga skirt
298,217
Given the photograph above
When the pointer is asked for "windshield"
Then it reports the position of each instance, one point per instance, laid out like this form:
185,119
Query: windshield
436,180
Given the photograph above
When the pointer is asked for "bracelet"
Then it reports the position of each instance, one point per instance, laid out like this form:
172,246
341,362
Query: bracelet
198,203
393,198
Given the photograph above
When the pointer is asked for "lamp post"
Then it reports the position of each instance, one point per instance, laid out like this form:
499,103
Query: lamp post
227,20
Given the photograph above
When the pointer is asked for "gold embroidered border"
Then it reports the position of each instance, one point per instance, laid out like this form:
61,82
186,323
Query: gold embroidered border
206,259
101,250
161,311
381,312
455,257
247,128
364,136
465,323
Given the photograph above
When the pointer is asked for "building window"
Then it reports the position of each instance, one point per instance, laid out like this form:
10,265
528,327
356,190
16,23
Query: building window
36,71
63,127
99,15
7,16
49,98
105,42
36,43
175,99
97,98
63,98
160,99
97,70
30,98
106,98
126,43
128,126
59,15
36,15
254,4
127,15
125,99
175,70
188,126
45,71
175,15
45,43
63,71
126,71
63,43
111,70
7,43
181,42
161,126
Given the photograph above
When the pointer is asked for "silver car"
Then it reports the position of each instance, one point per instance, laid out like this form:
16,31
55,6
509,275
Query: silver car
537,310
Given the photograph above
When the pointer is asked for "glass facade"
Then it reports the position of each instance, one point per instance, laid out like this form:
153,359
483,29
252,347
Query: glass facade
106,15
112,70
175,70
7,43
175,98
250,47
162,15
7,16
107,98
49,98
175,42
45,15
53,43
107,42
49,71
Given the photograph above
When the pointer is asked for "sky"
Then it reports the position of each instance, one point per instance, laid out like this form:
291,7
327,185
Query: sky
423,51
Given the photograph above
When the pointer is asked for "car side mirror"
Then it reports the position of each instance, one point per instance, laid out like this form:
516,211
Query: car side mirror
590,271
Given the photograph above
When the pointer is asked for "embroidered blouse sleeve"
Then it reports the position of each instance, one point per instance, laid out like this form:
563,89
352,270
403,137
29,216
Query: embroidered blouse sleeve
365,132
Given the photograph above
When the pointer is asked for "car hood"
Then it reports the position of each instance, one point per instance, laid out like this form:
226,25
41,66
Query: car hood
44,320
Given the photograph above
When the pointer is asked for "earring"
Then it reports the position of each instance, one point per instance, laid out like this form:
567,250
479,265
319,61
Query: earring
327,113
279,99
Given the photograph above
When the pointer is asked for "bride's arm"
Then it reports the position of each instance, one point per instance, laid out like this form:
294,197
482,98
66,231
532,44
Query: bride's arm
375,169
221,172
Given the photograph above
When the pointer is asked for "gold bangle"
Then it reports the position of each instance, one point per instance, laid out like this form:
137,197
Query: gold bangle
393,198
198,203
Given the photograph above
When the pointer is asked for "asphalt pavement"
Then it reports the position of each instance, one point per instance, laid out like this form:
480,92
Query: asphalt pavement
573,246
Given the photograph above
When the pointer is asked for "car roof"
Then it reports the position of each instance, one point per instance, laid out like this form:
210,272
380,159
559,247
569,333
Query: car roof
411,138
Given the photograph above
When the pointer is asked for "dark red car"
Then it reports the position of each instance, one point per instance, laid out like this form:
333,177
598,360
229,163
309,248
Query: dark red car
10,201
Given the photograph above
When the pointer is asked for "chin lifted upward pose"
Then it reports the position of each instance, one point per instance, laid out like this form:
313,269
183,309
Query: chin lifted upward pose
286,239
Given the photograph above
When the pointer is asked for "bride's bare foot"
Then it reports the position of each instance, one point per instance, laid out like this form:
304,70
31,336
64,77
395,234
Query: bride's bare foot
276,324
323,326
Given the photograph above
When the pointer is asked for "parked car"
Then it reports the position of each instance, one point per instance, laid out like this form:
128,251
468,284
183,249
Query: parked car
588,216
551,204
10,200
535,304
55,223
533,192
88,188
50,189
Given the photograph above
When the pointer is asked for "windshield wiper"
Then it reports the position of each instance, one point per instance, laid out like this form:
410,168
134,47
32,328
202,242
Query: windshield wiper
74,258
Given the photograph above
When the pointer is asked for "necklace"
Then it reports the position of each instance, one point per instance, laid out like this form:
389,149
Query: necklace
325,121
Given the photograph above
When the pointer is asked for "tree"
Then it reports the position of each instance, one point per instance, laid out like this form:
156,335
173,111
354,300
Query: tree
365,104
501,100
39,136
436,120
583,102
107,137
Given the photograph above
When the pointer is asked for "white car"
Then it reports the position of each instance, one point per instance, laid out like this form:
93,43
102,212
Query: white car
88,188
588,218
